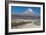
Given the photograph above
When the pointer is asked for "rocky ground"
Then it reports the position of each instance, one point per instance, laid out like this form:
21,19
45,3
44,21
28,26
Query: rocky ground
33,24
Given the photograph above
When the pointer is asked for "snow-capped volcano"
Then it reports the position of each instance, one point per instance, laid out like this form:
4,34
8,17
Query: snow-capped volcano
28,12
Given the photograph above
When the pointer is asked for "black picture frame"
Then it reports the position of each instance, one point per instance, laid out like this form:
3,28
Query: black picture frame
6,17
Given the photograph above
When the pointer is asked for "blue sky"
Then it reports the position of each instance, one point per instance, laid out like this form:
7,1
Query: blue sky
20,9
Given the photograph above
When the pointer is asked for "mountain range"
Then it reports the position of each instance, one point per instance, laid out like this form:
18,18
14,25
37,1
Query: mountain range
28,14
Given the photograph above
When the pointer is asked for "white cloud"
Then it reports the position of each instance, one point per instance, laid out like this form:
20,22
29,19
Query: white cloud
29,11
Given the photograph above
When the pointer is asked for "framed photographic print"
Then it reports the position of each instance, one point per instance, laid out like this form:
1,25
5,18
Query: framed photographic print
24,17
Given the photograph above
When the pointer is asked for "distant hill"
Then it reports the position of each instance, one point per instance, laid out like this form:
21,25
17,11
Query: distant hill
24,17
